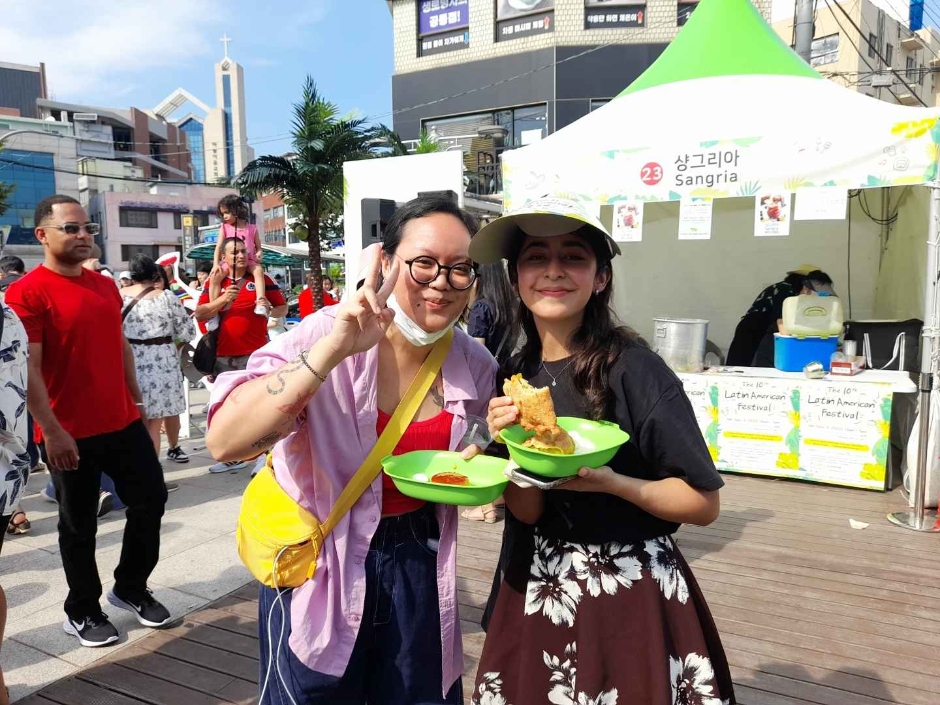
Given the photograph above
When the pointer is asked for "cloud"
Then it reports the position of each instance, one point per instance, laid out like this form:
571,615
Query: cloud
90,46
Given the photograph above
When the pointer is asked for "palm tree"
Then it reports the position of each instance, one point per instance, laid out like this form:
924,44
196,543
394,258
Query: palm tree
391,144
310,180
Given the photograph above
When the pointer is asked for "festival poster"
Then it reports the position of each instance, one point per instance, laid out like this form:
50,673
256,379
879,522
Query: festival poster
772,214
821,204
756,421
845,431
628,221
695,218
702,391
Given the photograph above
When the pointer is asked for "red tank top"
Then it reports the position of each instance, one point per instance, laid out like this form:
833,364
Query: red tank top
432,434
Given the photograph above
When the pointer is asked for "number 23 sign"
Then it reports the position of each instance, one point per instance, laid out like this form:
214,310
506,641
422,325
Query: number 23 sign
651,174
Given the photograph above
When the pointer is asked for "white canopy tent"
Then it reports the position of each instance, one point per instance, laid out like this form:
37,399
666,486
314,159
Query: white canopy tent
730,112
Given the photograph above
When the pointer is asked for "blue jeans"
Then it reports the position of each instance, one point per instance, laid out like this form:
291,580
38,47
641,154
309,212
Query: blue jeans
397,656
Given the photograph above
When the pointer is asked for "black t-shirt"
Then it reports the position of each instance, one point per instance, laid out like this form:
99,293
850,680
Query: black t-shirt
665,441
753,342
482,324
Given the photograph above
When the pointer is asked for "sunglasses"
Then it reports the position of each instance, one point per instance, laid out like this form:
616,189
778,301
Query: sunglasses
74,228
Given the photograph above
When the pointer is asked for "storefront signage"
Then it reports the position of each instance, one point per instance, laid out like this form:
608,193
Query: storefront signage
523,18
443,26
442,16
441,43
601,14
836,433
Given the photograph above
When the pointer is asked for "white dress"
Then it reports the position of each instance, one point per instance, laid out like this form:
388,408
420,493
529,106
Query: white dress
158,369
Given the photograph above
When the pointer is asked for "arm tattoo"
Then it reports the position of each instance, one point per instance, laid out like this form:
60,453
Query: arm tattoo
267,440
437,396
275,389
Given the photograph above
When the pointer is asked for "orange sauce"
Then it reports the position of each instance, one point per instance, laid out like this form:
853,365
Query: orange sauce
451,478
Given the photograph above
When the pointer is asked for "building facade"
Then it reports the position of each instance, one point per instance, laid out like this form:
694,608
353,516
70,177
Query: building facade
274,219
217,136
484,75
20,87
157,147
151,223
38,165
868,47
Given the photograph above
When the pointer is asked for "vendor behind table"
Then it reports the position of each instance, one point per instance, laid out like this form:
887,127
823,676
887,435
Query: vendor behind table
753,343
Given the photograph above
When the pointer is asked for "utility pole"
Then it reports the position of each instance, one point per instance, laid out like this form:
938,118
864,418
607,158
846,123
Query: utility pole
803,43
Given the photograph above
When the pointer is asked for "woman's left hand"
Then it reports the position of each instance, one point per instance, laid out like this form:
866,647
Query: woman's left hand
591,480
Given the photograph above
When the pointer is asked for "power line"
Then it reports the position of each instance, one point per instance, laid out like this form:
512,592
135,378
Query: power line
178,182
875,49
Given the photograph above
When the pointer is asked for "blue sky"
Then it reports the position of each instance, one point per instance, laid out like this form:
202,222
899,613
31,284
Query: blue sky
136,52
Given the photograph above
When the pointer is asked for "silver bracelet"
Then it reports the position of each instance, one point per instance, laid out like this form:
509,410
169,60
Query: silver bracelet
303,359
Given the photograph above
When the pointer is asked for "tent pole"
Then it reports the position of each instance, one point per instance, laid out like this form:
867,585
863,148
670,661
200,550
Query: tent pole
920,519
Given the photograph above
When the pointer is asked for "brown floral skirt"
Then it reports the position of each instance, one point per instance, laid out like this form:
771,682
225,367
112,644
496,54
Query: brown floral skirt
608,624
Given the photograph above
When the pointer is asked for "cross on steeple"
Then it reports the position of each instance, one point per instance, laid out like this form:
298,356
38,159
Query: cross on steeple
225,40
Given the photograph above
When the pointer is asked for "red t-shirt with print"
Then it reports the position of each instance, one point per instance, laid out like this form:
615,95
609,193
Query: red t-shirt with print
241,330
78,322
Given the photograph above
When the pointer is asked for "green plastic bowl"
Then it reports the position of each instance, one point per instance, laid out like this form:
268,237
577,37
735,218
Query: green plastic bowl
604,437
485,473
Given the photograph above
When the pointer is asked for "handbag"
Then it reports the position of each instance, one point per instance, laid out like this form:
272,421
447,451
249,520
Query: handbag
205,356
278,540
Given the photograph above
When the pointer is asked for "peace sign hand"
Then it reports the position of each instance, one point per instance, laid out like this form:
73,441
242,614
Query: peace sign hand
363,319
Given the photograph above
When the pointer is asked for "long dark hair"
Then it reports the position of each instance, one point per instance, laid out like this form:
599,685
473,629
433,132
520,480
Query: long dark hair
493,286
594,346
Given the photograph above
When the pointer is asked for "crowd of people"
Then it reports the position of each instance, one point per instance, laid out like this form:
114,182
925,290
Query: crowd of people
592,601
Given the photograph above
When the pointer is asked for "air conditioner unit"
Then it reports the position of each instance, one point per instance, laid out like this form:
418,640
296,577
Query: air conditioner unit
85,117
880,80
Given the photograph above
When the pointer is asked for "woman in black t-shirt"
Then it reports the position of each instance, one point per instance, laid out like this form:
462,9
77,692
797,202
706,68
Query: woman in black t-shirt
596,603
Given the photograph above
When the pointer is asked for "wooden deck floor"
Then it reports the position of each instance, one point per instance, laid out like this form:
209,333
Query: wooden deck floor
810,610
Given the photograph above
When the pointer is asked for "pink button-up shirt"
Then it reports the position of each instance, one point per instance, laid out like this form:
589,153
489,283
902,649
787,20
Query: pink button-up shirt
318,459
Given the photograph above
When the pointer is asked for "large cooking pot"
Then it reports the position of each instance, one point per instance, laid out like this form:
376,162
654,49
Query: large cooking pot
681,342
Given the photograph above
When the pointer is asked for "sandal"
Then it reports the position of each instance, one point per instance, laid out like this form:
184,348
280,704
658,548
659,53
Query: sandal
487,514
15,528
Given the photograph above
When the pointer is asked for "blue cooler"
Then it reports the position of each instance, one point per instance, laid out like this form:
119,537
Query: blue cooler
792,354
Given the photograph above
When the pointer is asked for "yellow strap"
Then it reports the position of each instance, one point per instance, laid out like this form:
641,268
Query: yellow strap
407,408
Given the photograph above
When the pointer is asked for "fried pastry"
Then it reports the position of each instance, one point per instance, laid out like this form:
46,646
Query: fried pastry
537,413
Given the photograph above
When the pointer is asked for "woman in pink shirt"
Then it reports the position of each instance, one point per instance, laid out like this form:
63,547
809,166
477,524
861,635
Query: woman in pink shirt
378,623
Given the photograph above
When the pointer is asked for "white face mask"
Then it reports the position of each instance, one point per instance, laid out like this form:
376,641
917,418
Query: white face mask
414,334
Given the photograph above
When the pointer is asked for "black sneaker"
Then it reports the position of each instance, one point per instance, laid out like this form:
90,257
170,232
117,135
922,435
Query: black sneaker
148,611
105,503
171,486
177,455
92,631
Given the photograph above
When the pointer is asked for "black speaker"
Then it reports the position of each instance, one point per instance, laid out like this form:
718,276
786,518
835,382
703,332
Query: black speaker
376,212
449,195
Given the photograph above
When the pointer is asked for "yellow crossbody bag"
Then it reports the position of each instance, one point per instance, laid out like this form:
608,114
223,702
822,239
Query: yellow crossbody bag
278,540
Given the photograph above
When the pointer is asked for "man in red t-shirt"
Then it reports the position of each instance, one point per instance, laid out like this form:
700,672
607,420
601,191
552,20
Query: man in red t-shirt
305,300
241,330
83,394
